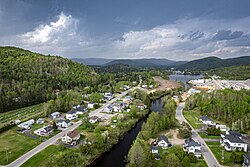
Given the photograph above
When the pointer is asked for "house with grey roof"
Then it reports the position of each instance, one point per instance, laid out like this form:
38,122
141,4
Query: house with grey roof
163,142
207,121
64,123
55,115
192,146
232,143
154,149
246,162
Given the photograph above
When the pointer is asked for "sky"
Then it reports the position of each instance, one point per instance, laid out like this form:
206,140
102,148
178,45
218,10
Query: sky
171,29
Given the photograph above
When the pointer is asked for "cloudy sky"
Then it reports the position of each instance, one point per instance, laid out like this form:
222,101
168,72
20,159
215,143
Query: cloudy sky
172,29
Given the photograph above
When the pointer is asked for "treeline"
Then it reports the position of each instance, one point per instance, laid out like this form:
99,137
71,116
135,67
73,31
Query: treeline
28,78
232,73
139,154
229,106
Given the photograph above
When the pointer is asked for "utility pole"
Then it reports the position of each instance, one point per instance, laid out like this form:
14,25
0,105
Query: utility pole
222,156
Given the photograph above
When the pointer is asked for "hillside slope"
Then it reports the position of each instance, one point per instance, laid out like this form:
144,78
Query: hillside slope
28,78
209,63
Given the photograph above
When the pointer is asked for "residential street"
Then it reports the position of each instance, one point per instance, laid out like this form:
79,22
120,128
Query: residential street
53,139
207,154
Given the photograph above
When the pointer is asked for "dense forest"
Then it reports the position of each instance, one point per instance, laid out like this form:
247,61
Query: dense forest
229,106
232,73
28,78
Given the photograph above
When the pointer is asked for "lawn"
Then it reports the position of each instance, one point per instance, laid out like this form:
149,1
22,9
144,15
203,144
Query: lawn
40,157
193,118
217,151
208,136
13,145
199,163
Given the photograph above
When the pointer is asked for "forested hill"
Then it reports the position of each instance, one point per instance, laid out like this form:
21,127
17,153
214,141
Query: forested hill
209,63
28,78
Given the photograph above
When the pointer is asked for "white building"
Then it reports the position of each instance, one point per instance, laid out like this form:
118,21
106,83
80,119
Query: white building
222,128
163,142
26,125
233,143
55,115
64,123
46,130
154,149
71,115
91,105
192,146
108,109
71,137
93,119
207,121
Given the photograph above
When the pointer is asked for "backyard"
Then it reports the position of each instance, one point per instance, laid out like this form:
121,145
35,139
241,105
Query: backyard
13,145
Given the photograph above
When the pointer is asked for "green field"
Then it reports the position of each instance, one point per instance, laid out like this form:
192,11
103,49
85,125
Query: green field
199,163
22,114
40,157
193,118
217,151
13,145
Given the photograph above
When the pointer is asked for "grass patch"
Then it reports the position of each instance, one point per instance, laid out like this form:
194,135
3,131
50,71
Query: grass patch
13,145
193,118
208,136
199,163
217,151
42,156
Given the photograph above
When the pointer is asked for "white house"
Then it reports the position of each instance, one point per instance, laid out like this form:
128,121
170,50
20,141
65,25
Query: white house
93,119
222,128
192,146
64,123
233,143
144,86
26,125
154,149
40,121
46,130
108,96
108,109
91,105
127,99
71,137
246,162
80,110
234,133
71,115
55,115
207,121
163,142
192,91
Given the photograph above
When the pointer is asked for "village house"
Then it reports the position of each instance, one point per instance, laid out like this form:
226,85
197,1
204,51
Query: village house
141,106
71,137
108,96
93,119
80,110
154,149
144,86
234,133
55,115
64,123
207,121
163,142
40,121
91,105
232,143
46,130
26,125
127,99
71,115
108,109
192,146
246,162
118,106
193,91
222,128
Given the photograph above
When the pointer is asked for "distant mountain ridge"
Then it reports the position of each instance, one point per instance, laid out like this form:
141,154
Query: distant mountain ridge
209,63
93,61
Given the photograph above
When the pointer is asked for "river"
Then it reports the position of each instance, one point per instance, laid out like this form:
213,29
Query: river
115,157
184,78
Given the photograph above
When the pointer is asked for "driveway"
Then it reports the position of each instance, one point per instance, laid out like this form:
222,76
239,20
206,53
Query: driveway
207,153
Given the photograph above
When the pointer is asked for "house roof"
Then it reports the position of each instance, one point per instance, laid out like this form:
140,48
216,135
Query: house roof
73,134
94,117
247,156
48,128
234,133
81,108
66,121
205,118
162,137
233,139
153,148
190,142
55,114
72,112
91,102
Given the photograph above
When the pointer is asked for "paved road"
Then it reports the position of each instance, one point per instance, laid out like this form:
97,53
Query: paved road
42,146
53,139
207,154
